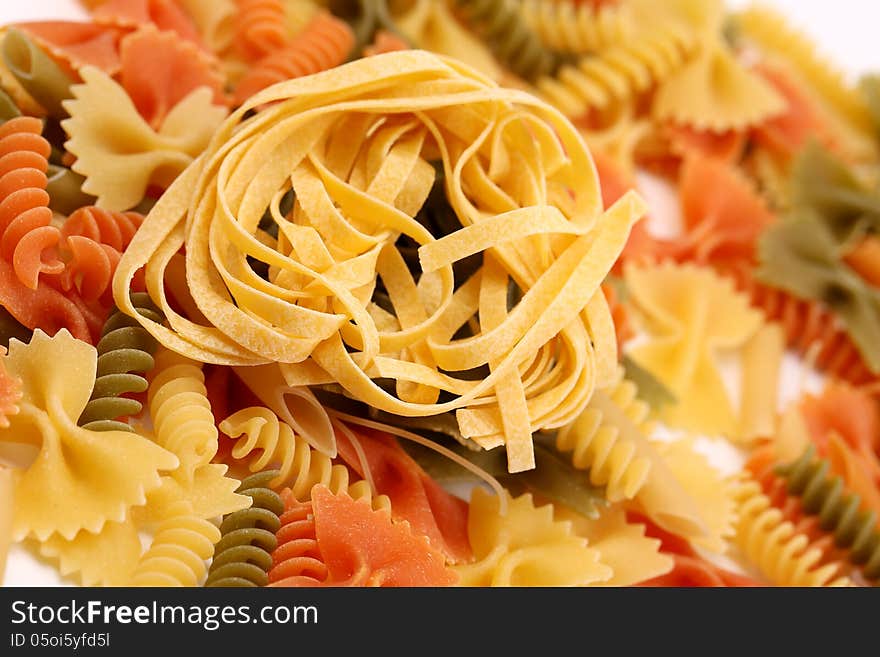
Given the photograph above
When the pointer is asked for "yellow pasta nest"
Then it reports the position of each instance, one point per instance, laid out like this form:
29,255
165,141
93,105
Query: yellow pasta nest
335,299
267,440
596,444
783,556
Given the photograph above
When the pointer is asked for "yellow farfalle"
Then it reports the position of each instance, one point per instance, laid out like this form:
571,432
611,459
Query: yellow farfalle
716,92
355,145
622,545
691,313
7,499
106,558
526,547
80,479
118,152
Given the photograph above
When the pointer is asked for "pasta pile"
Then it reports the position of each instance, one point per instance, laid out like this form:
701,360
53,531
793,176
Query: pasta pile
304,293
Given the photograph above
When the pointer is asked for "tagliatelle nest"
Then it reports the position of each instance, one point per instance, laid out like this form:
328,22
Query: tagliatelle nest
340,296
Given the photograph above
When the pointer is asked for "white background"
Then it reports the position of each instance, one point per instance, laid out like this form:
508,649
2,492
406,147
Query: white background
846,31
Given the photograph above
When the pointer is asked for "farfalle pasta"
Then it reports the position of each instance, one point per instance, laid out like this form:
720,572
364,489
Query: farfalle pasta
364,293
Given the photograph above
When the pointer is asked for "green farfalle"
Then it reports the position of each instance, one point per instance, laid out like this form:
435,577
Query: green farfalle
800,255
554,478
831,189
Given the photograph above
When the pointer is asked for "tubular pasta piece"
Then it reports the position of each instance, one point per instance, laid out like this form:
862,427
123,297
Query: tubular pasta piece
692,312
52,398
311,312
118,152
159,70
40,76
761,364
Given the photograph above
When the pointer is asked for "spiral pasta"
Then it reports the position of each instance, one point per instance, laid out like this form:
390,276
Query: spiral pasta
618,74
838,510
182,419
503,26
260,27
25,218
243,556
297,560
267,440
178,553
783,555
324,43
579,28
125,353
115,229
596,444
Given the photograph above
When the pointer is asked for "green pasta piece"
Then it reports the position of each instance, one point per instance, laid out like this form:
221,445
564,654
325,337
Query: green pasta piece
828,187
8,109
799,255
65,190
824,495
40,76
553,477
503,26
125,353
651,389
243,556
10,328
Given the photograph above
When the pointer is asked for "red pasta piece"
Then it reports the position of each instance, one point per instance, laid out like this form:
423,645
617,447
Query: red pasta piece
115,229
687,141
260,28
78,44
26,232
415,497
297,560
859,426
787,133
159,70
864,259
384,42
90,269
714,196
132,14
324,43
363,547
45,307
10,393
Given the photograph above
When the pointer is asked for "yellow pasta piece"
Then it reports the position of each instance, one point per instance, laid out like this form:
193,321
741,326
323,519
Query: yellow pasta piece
214,20
761,365
691,313
632,556
582,28
106,558
526,547
707,487
119,153
354,144
98,475
7,499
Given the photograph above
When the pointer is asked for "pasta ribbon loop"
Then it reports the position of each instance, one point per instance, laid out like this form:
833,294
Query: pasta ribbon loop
243,556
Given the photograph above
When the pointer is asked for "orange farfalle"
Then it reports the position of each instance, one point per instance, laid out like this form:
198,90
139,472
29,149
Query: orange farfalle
864,259
787,133
722,205
337,541
324,43
260,28
26,233
132,14
78,44
686,140
159,70
415,497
